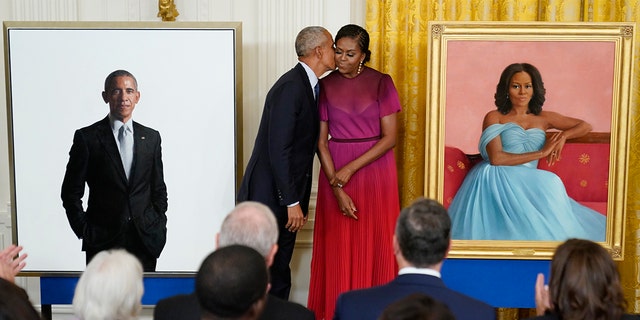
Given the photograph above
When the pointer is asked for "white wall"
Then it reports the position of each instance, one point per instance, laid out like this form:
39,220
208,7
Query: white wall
269,28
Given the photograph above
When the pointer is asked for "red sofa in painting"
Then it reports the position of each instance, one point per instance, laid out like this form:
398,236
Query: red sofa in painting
583,168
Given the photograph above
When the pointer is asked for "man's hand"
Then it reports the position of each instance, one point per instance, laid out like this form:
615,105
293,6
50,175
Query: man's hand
296,218
10,267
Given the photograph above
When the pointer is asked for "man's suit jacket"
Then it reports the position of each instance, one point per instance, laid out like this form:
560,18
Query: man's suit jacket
279,172
186,307
369,303
113,201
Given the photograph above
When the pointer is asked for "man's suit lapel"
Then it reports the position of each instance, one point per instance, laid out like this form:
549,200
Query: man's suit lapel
108,142
139,142
309,90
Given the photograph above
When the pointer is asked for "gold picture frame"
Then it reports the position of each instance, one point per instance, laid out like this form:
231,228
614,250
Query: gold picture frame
478,52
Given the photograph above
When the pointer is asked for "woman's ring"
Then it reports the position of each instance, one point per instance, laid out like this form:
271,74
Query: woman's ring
339,185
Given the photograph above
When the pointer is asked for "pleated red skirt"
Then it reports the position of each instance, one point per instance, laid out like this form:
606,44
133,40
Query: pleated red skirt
353,254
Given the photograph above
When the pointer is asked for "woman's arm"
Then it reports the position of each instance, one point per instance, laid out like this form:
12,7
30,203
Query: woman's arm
345,203
387,141
569,128
326,162
499,157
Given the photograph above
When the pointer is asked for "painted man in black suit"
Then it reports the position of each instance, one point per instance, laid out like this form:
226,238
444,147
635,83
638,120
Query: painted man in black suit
251,224
421,242
279,172
121,162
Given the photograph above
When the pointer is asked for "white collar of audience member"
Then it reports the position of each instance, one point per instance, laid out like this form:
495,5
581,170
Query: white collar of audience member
414,270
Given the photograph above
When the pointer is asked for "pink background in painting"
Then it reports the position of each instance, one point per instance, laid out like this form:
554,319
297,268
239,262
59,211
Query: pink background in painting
578,77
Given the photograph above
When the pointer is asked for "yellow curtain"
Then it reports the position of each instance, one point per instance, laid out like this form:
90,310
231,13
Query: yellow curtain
399,36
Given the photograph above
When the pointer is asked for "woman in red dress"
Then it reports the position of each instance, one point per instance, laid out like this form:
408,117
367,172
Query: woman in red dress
358,199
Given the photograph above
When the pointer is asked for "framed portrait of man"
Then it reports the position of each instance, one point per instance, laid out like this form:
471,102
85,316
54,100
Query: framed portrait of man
189,87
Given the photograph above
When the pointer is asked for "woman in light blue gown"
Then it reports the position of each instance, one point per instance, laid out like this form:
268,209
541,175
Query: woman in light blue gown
505,196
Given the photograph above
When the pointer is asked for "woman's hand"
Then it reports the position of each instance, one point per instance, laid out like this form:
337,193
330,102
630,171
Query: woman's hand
342,177
541,296
346,205
556,144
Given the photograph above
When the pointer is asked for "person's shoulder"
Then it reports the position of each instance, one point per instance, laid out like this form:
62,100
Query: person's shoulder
277,308
369,72
143,128
293,76
292,84
297,71
465,306
185,305
491,117
177,300
549,114
493,114
181,300
365,294
104,122
471,302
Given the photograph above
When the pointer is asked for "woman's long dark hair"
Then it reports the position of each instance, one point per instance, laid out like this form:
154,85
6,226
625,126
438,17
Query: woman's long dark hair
584,282
502,89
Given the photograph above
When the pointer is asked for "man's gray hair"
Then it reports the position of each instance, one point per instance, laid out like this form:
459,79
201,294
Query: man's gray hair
251,224
309,38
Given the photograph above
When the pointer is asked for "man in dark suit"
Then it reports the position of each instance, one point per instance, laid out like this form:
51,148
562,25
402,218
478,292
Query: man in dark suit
251,224
421,243
279,172
121,162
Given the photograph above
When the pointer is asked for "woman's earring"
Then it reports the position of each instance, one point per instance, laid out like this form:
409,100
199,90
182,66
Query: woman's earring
360,66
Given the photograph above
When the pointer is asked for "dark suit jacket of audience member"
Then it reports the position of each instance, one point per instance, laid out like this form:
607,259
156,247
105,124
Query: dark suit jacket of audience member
369,303
555,317
186,307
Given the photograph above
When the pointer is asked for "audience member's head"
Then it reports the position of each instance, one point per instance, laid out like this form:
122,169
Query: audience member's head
584,282
423,234
417,306
251,224
110,287
232,283
14,303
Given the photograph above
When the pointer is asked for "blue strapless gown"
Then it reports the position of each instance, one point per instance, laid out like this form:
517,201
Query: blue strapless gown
519,202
